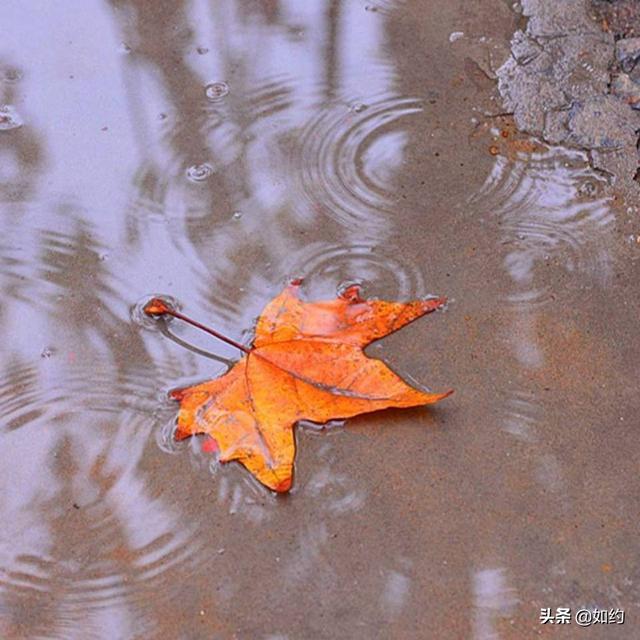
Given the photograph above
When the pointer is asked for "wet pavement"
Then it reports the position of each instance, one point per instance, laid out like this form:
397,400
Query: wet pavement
211,151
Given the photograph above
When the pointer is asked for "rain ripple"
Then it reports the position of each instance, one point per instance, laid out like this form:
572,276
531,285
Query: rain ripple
347,159
131,568
216,91
272,96
127,538
383,272
551,212
199,172
32,395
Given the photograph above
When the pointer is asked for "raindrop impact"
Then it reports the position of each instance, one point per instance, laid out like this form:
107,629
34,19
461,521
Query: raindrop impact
199,172
216,91
9,118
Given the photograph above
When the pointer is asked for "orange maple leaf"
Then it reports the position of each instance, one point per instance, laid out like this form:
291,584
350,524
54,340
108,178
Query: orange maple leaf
306,363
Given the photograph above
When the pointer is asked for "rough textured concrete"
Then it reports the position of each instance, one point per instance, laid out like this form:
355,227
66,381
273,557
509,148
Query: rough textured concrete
562,86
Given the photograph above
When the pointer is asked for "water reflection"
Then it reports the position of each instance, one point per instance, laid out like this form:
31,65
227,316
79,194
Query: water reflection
494,602
396,591
20,150
378,269
553,218
210,151
356,153
202,141
545,218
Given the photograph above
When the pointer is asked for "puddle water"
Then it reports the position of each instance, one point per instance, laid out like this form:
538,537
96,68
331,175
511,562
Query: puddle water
210,151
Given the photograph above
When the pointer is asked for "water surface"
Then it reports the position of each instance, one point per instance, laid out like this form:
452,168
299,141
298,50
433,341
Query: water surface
213,150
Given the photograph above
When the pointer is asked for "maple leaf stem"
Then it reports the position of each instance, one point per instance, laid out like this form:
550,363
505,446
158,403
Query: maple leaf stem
158,307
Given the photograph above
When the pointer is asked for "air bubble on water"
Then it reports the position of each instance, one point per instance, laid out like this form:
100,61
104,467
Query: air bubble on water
124,48
162,116
237,215
103,257
9,118
47,352
358,107
202,50
370,7
456,35
216,91
199,172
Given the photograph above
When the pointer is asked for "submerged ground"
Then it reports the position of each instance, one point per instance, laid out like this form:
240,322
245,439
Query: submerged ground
212,150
